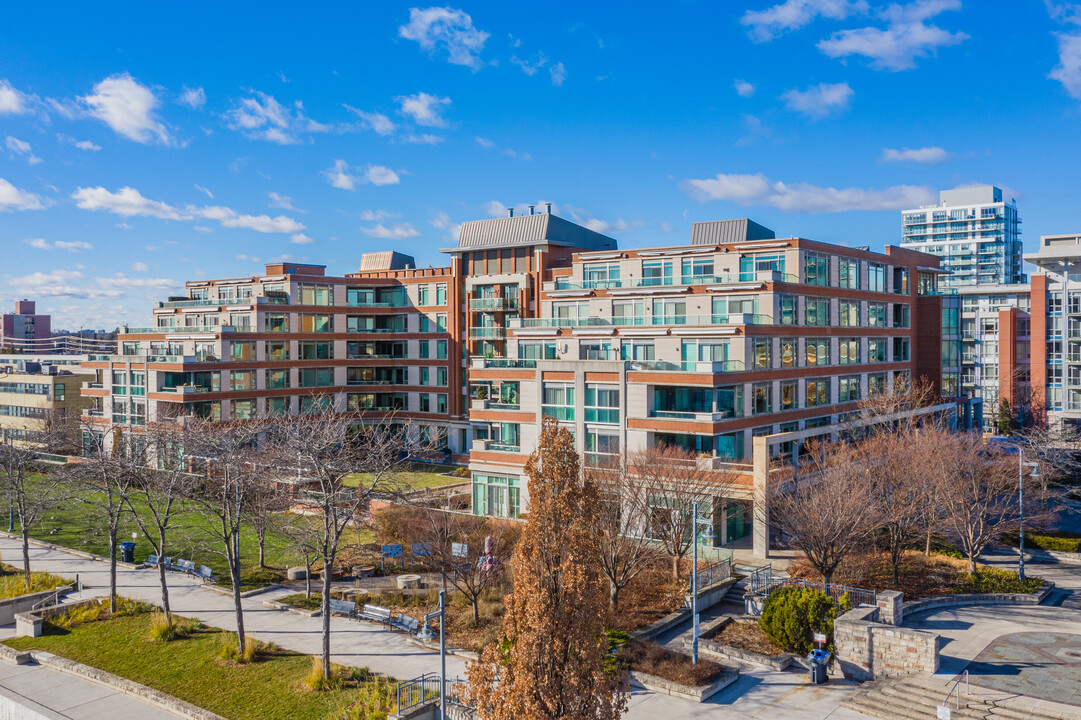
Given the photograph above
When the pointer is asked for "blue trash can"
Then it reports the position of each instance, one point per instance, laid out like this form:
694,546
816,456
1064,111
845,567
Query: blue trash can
818,662
127,552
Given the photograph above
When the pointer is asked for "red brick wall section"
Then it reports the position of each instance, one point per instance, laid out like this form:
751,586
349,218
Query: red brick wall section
927,350
1038,347
1007,356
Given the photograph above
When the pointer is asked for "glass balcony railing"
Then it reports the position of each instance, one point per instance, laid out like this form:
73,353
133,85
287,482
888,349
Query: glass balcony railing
743,277
493,303
654,321
487,332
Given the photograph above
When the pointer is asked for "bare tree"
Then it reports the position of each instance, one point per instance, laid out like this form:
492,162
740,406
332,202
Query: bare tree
227,454
826,506
621,521
266,504
161,488
978,491
893,467
474,558
328,447
668,484
31,495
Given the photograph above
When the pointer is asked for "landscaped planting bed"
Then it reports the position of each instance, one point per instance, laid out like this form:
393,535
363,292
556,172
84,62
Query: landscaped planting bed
657,660
13,582
271,688
920,576
745,636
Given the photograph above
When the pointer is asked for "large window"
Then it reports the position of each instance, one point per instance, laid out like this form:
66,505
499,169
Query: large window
242,351
243,380
817,352
243,409
848,351
817,269
789,351
900,280
316,295
641,350
900,315
537,350
849,313
276,322
602,448
277,379
877,349
316,377
558,401
310,350
495,495
751,265
602,403
669,312
900,349
697,271
818,393
788,309
876,384
316,323
628,312
762,398
848,273
817,311
762,352
277,350
730,401
789,395
876,277
657,272
601,275
876,314
849,389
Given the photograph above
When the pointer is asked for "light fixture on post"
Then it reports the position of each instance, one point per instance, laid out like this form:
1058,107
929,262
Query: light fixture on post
1021,465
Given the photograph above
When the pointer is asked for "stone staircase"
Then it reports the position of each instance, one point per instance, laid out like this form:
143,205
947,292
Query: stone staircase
918,697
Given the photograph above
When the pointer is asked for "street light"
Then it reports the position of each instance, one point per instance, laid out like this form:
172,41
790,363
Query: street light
694,583
1021,465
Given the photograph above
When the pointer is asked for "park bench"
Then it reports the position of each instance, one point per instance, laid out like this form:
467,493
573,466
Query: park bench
152,560
205,573
408,624
343,607
375,614
186,565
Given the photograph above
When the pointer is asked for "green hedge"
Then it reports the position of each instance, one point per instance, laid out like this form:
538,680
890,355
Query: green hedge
792,615
1059,542
996,580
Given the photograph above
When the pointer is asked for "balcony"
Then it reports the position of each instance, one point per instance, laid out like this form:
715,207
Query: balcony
480,363
495,446
646,321
685,280
93,386
493,303
487,332
187,389
705,416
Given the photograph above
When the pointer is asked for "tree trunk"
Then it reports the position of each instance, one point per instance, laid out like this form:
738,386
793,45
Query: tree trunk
927,545
112,569
26,553
476,609
613,596
827,579
262,550
675,568
972,563
327,572
162,578
307,578
238,607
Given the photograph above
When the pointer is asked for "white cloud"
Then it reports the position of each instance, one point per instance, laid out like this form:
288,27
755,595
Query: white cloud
120,280
743,88
446,29
586,219
765,25
755,130
129,202
484,142
495,208
528,67
58,283
282,201
906,37
401,231
203,190
916,155
509,152
22,149
301,239
12,198
12,101
129,108
87,145
757,190
39,243
261,116
341,177
559,74
73,245
377,215
380,123
194,98
442,221
820,100
138,266
423,109
1068,70
422,139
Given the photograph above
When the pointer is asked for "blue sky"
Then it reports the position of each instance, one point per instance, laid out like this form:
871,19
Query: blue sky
145,147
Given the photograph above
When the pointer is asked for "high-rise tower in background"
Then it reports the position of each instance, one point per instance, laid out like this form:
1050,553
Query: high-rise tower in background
976,233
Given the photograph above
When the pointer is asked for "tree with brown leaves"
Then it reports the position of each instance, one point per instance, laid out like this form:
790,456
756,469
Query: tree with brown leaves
551,662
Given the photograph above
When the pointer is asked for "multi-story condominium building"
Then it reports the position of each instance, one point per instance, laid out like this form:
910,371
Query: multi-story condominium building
36,396
24,330
735,346
975,233
380,340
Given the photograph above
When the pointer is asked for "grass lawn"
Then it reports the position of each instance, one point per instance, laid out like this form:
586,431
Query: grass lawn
188,668
420,476
13,582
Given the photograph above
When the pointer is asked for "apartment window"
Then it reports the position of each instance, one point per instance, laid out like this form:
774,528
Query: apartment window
657,273
642,351
425,402
751,265
762,398
441,294
817,269
277,322
762,351
900,280
441,350
950,321
848,273
601,275
58,392
602,448
315,350
277,379
789,395
818,393
570,314
424,376
697,271
730,401
120,411
849,313
951,353
311,405
441,376
788,309
788,352
900,315
316,323
423,350
596,351
876,314
817,352
243,409
849,389
876,277
243,351
422,295
495,495
900,349
277,406
240,320
669,312
137,383
816,311
537,350
628,312
877,349
602,403
316,377
243,380
848,351
276,350
441,403
316,295
876,384
558,401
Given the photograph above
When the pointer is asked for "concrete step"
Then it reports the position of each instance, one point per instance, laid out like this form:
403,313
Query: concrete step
917,698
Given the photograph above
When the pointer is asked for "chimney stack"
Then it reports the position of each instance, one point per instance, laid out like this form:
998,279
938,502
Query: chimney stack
531,209
510,212
549,208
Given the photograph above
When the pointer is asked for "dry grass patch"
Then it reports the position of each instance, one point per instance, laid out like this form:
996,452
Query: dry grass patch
654,659
745,636
920,576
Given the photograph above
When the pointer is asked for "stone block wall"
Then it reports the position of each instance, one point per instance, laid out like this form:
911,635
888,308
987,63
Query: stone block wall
867,648
891,607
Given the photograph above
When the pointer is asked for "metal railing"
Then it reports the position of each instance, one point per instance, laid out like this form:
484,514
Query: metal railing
857,596
424,689
715,572
678,280
647,321
759,580
954,689
493,303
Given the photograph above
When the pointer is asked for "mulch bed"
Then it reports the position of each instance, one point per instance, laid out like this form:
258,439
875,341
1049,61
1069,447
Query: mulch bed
653,659
745,636
920,576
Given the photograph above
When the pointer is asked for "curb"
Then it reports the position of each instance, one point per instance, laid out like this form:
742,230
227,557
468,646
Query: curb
229,591
467,654
70,551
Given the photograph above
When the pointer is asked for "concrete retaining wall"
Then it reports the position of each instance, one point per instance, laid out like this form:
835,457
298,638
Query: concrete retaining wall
867,649
945,601
707,598
686,692
12,606
15,707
